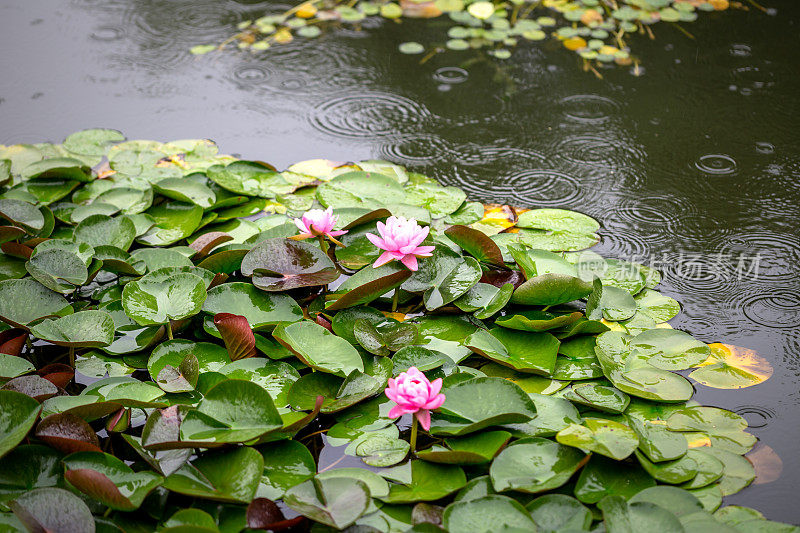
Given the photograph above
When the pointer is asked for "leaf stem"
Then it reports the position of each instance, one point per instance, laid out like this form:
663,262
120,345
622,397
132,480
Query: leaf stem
72,356
169,330
414,434
395,299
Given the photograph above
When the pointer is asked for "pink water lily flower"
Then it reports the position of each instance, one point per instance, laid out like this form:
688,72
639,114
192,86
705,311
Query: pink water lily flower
413,393
400,239
318,223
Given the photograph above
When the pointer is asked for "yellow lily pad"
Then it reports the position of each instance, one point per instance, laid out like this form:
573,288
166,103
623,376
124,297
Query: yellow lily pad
732,367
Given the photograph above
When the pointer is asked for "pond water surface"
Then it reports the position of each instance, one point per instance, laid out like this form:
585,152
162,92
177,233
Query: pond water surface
693,167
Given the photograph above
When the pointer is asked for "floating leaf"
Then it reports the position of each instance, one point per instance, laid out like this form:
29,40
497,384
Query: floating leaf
337,502
53,509
23,301
319,348
19,413
282,264
535,465
85,329
490,513
156,299
605,437
732,367
429,481
725,429
209,476
107,479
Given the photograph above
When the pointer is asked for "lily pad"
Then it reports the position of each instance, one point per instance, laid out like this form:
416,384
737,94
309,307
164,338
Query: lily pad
319,348
19,414
24,300
336,502
521,350
53,509
84,329
107,479
209,476
429,481
732,367
726,430
479,403
535,465
603,477
213,423
477,448
605,437
490,513
286,464
155,300
554,512
101,230
263,310
282,264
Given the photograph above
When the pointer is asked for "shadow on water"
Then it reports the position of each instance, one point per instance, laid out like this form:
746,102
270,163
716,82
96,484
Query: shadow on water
693,167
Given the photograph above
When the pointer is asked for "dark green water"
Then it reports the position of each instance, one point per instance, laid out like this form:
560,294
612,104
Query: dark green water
693,167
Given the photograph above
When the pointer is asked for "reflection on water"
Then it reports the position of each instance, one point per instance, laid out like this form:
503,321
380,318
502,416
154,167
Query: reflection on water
694,166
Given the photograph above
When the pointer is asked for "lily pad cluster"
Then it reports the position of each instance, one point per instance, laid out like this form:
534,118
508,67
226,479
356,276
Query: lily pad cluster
597,30
171,360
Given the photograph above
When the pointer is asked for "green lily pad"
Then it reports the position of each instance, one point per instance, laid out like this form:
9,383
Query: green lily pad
57,167
490,513
429,481
388,338
249,178
52,509
604,477
631,372
186,190
92,141
337,502
368,284
339,393
479,403
263,310
370,190
12,366
609,302
737,471
319,348
550,289
555,512
58,270
709,469
670,349
477,448
443,277
477,244
726,430
173,221
19,414
638,516
282,264
154,299
605,437
286,464
100,230
24,300
84,329
214,423
535,320
655,440
485,300
600,397
535,465
23,214
209,476
107,479
381,450
657,306
521,350
674,472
